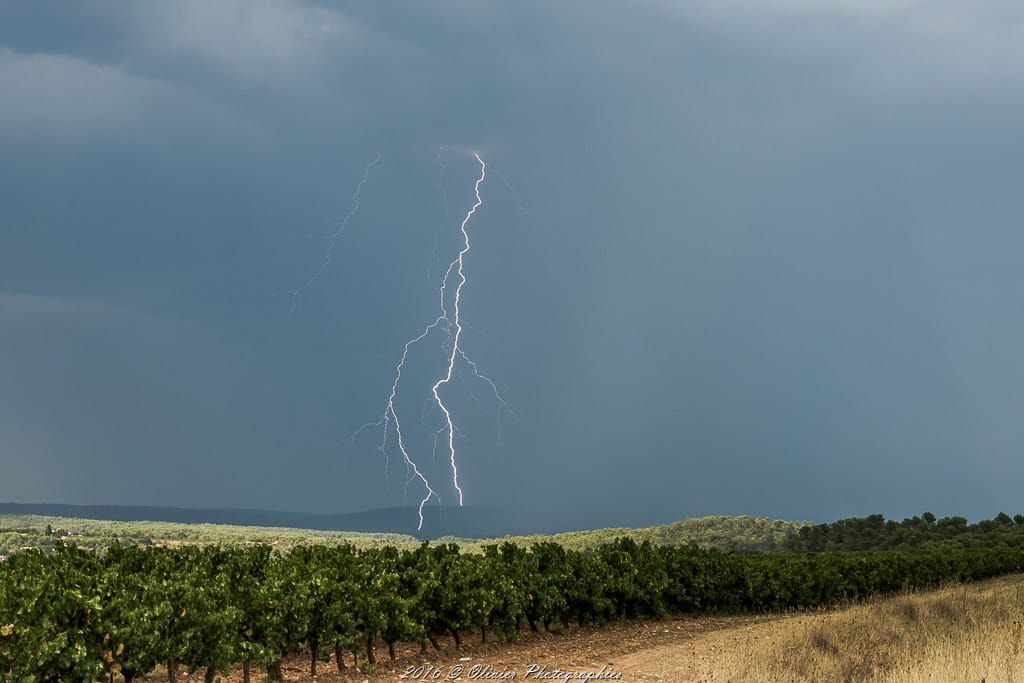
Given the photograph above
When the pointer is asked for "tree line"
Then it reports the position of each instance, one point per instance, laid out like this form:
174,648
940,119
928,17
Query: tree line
876,533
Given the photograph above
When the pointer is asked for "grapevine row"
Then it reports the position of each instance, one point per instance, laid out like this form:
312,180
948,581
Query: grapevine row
75,615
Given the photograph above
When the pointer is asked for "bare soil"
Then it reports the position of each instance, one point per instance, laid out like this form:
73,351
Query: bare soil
634,649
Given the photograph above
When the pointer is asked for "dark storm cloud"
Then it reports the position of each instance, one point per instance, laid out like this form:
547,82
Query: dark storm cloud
767,265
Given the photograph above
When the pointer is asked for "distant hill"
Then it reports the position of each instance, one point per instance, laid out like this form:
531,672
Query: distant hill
742,534
463,525
29,525
138,513
465,522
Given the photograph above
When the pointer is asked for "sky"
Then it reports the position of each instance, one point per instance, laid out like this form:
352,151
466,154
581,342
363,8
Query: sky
745,257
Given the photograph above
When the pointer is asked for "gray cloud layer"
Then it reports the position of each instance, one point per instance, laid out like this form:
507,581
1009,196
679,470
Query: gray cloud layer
767,265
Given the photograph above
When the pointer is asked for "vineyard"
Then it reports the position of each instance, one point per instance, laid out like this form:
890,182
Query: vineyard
76,615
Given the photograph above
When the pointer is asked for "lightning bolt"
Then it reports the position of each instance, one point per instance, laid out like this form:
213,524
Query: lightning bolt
334,237
450,322
457,264
392,414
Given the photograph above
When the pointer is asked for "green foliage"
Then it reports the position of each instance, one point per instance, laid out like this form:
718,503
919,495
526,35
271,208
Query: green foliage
78,615
876,533
51,607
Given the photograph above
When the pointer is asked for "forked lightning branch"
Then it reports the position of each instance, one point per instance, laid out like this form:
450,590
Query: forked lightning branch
447,328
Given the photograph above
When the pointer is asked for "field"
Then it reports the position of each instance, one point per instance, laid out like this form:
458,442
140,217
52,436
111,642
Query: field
169,602
968,632
21,532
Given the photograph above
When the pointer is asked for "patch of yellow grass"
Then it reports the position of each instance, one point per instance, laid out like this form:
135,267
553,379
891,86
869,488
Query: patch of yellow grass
970,632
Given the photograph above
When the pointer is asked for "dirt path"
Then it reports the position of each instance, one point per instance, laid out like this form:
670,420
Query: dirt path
637,650
699,657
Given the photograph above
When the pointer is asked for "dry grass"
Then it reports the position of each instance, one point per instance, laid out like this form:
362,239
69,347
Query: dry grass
960,633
